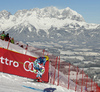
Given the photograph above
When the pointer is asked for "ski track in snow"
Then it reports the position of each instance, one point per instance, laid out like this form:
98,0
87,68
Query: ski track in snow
13,83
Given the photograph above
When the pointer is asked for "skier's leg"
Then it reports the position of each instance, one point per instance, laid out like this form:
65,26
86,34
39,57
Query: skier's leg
39,76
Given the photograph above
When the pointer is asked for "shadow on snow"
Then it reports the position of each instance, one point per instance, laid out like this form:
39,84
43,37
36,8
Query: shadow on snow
40,90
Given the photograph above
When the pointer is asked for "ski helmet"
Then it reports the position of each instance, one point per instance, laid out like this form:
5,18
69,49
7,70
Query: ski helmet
47,58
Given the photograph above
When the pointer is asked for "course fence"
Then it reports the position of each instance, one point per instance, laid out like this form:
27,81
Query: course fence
62,73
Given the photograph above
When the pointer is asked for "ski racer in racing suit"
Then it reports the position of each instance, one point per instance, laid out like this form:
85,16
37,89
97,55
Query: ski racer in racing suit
39,65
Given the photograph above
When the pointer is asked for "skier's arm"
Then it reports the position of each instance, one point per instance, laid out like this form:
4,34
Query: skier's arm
44,62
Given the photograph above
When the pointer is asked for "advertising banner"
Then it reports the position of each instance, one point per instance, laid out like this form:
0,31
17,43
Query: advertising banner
20,64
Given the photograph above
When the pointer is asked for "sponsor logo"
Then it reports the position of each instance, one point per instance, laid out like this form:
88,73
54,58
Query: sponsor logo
8,62
28,66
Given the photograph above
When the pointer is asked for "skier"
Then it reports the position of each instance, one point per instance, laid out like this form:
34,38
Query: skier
38,67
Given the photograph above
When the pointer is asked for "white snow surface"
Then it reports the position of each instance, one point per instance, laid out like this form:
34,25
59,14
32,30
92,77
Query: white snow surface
16,48
13,83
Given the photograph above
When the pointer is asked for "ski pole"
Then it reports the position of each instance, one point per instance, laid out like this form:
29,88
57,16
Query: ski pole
31,60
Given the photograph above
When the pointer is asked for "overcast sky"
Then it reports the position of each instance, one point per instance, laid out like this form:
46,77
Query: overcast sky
89,9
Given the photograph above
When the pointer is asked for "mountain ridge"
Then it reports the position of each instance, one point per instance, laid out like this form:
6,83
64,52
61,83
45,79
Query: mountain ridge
39,15
49,24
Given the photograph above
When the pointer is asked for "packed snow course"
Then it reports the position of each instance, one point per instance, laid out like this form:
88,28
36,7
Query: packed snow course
12,83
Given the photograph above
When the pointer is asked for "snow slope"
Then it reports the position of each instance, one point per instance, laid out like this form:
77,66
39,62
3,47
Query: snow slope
17,48
13,83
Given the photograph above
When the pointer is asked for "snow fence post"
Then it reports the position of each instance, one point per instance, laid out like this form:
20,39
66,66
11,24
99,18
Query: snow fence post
50,75
91,84
55,71
82,82
76,79
86,81
26,49
8,43
58,70
95,86
43,51
97,90
68,75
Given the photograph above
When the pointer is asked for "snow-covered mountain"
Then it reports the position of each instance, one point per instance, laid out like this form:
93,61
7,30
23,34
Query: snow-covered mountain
50,24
